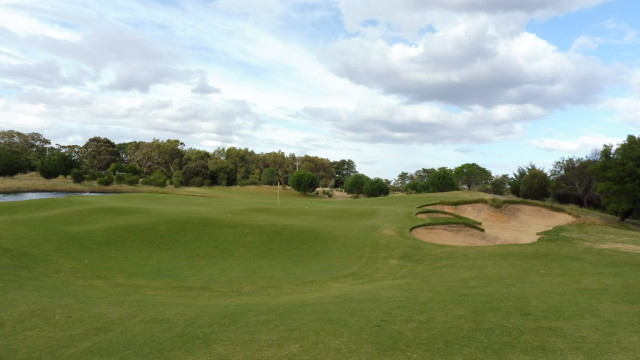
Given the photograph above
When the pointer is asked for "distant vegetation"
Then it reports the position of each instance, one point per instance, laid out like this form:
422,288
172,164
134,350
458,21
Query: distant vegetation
605,180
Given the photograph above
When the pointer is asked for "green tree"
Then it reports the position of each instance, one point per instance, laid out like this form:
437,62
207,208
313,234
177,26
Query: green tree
31,147
618,176
49,167
516,179
191,171
157,155
402,180
303,181
354,184
270,176
12,161
423,174
442,180
535,185
412,187
376,187
343,169
99,153
472,175
571,182
321,168
499,184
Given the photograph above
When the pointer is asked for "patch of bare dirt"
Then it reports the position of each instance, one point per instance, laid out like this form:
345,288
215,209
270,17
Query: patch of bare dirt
511,224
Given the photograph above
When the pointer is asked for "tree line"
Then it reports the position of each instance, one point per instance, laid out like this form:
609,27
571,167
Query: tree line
160,162
608,179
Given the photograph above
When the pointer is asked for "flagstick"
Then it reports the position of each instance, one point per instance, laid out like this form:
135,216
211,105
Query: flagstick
278,192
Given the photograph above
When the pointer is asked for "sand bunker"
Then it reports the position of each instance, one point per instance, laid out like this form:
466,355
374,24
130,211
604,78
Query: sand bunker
511,224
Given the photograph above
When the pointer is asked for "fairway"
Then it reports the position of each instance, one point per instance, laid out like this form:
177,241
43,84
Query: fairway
228,273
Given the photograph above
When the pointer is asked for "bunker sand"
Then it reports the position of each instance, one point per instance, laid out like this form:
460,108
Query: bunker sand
511,224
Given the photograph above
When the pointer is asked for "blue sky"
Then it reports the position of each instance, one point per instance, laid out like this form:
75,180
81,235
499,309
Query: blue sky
395,85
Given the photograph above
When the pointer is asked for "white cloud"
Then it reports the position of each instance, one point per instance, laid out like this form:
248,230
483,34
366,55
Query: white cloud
470,64
609,32
582,144
419,124
410,16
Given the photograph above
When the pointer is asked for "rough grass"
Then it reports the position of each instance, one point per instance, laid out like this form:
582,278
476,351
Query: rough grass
228,274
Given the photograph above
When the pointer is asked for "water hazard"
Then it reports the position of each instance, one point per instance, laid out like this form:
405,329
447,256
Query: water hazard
39,195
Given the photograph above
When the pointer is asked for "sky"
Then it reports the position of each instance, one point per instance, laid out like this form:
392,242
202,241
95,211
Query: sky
394,85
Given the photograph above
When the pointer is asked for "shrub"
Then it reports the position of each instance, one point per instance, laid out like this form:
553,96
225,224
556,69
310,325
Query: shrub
119,179
49,167
197,182
376,187
105,180
116,168
355,184
176,179
133,170
158,179
92,175
77,176
131,179
208,183
304,181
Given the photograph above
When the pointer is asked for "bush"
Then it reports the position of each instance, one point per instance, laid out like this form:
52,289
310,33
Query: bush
376,187
208,183
157,179
131,179
49,167
304,181
105,180
77,176
119,179
176,179
355,184
197,182
133,170
92,175
116,168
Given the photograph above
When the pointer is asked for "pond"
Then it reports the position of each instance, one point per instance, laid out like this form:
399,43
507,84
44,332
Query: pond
39,195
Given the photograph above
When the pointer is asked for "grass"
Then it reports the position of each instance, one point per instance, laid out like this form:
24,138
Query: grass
33,182
226,273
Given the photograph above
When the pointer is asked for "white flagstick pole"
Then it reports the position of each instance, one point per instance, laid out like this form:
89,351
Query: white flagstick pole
278,192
